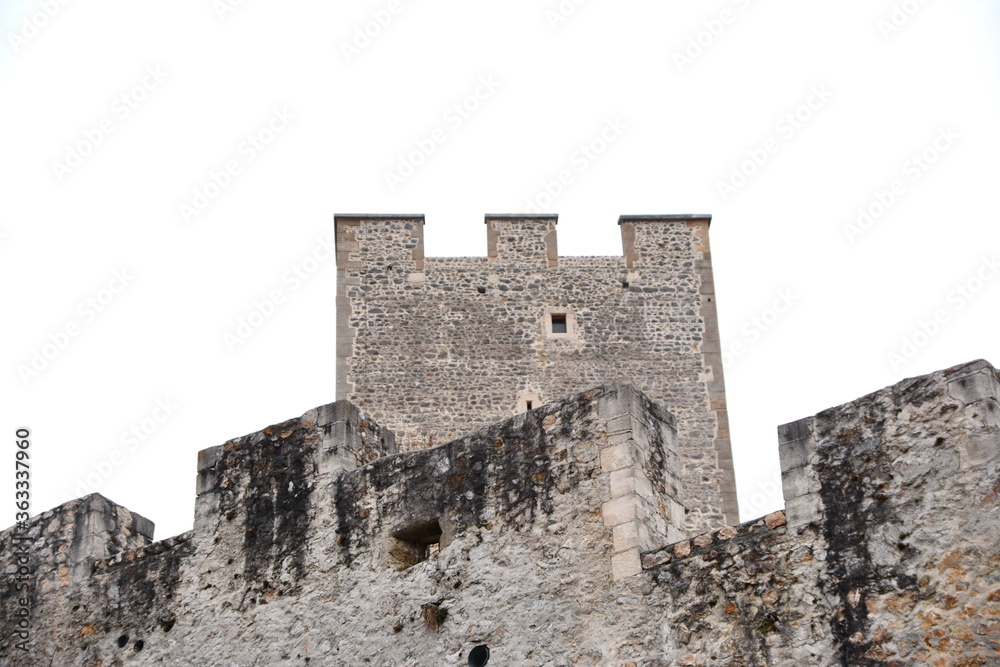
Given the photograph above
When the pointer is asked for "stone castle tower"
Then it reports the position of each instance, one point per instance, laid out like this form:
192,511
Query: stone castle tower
436,347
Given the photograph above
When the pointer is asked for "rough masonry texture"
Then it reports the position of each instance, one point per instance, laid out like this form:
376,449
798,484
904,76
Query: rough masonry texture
552,537
433,347
556,536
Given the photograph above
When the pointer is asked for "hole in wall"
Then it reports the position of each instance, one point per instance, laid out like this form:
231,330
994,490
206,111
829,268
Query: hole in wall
167,622
122,640
415,543
479,656
139,645
625,284
481,290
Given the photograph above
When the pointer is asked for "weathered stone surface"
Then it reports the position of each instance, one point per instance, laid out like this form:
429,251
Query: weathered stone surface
899,566
303,554
474,540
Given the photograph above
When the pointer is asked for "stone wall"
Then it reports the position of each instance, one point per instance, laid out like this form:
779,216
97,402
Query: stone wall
315,539
433,347
891,552
554,538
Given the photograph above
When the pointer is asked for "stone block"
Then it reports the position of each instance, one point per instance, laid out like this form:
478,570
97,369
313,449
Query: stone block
655,559
142,526
674,534
796,453
619,402
728,533
626,564
799,482
722,420
803,510
206,511
622,482
621,424
207,479
676,511
630,480
208,457
619,510
625,455
724,448
643,487
703,540
625,536
795,430
976,450
975,386
340,411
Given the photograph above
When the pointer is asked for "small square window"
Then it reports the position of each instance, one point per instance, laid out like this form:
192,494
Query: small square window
559,323
526,402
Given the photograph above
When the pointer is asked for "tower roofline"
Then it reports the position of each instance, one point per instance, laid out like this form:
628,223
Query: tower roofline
554,217
377,216
686,217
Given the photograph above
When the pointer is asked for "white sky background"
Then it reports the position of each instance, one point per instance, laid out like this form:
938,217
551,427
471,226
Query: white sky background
687,126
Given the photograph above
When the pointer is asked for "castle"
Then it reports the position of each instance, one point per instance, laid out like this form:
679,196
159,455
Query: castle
530,452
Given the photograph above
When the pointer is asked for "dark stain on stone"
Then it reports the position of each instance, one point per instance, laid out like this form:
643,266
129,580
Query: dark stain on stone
147,586
276,502
462,479
346,497
852,465
434,616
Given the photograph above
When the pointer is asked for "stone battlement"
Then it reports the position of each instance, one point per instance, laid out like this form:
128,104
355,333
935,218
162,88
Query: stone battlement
555,536
509,236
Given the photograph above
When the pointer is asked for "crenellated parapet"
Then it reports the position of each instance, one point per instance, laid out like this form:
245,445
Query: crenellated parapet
365,240
60,545
558,527
517,237
262,497
328,492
